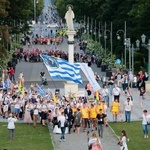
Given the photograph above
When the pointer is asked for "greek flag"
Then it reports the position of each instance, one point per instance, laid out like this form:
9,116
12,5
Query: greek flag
61,69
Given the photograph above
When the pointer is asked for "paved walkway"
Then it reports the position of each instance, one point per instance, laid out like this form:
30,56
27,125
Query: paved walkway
109,141
74,141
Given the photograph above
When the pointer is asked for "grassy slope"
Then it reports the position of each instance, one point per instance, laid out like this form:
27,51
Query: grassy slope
135,135
26,138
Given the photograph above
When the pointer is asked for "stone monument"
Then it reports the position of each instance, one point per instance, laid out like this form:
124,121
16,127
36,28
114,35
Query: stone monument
69,16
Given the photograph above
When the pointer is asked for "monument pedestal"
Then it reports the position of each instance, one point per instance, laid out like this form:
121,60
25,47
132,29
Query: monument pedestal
71,89
71,46
147,86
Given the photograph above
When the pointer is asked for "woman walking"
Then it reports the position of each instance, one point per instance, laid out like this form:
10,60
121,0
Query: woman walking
94,142
44,110
62,119
145,121
123,141
35,115
27,116
77,120
11,125
115,109
142,96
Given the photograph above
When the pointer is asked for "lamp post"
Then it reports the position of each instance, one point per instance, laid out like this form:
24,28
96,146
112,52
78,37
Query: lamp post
82,26
131,52
118,37
35,2
132,48
110,31
88,26
128,44
99,30
147,46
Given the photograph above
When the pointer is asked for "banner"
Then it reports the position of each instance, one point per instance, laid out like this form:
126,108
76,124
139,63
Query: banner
88,72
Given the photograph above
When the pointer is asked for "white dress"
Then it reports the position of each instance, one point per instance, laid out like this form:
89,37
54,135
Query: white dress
58,130
124,143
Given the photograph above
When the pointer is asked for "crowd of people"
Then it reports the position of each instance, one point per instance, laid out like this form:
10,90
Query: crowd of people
76,114
34,105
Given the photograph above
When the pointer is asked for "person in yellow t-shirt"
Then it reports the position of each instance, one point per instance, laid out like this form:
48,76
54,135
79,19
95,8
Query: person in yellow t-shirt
92,115
85,116
99,106
115,109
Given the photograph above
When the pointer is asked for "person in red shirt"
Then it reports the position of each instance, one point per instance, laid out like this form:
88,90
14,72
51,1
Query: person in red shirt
12,74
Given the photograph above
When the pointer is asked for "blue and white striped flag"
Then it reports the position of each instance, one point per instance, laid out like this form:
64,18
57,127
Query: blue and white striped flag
61,69
40,91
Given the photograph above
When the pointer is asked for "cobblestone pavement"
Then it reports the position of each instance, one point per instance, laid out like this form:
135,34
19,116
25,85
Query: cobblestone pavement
76,141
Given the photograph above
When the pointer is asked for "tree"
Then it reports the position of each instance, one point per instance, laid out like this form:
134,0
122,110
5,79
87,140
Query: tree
4,34
140,12
81,8
135,12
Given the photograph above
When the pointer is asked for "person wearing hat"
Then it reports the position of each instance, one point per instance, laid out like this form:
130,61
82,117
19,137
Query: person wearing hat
100,122
11,125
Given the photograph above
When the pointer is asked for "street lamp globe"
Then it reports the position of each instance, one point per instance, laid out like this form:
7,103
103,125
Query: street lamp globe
137,43
143,37
128,42
118,37
149,42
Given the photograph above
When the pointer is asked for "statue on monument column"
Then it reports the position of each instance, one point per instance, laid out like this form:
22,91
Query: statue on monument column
69,16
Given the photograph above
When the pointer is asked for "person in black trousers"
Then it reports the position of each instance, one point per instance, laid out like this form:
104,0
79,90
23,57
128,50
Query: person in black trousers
100,122
68,114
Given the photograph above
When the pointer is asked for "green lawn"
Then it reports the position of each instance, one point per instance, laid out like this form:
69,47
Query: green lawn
135,135
26,138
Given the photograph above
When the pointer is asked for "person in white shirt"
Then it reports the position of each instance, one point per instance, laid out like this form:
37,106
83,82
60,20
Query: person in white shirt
17,106
44,111
119,76
1,100
128,105
6,102
11,125
125,82
94,142
131,78
12,106
145,121
116,92
135,81
62,119
35,114
105,94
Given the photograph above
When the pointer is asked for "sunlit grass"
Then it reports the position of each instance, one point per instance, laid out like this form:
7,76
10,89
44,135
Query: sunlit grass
26,138
134,133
